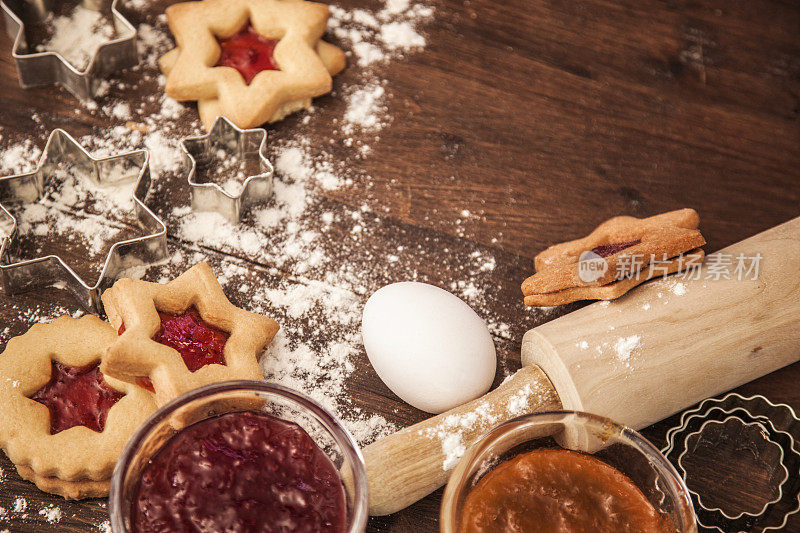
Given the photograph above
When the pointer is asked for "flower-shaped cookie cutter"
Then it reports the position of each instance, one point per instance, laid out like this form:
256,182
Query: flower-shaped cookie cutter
23,275
734,417
37,69
227,136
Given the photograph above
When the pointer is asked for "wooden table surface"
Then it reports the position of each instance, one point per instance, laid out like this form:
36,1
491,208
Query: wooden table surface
542,118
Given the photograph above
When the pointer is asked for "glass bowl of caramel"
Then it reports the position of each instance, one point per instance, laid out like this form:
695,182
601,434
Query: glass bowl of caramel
240,456
565,471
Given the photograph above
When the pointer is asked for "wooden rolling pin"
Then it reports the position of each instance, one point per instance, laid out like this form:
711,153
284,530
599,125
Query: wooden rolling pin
662,347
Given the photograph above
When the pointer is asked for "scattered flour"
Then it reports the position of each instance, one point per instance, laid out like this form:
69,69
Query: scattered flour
151,42
78,36
367,53
401,36
19,158
625,346
374,38
51,513
77,208
455,430
20,504
679,289
365,110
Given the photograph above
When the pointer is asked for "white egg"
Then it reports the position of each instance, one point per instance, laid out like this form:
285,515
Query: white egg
428,346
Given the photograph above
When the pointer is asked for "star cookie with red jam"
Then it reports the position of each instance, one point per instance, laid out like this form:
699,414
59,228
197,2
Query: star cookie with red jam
253,61
629,250
63,423
176,337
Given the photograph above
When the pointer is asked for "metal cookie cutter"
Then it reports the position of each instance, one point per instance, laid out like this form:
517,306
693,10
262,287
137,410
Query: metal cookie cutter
210,196
37,69
761,439
21,276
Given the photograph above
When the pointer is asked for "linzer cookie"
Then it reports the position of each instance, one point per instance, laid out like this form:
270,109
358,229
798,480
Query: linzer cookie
620,254
63,423
253,61
182,335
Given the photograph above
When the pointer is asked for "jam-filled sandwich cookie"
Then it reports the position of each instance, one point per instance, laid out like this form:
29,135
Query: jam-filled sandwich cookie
182,335
630,251
63,423
253,61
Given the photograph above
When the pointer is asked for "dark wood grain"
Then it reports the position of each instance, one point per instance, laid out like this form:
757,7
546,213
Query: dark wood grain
543,118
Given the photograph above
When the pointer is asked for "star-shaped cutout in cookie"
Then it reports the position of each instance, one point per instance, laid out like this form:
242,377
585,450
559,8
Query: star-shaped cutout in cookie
170,335
193,74
77,396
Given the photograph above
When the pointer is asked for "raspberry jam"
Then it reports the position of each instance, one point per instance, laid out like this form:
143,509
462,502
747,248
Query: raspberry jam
240,471
198,342
77,396
604,250
248,52
145,383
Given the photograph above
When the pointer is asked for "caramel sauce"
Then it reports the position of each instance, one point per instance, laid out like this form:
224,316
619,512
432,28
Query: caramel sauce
558,491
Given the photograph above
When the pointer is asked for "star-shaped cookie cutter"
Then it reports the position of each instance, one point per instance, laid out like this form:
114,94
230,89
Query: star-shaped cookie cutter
210,196
24,275
37,69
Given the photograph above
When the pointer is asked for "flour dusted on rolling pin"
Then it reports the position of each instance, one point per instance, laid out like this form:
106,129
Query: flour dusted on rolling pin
428,346
450,431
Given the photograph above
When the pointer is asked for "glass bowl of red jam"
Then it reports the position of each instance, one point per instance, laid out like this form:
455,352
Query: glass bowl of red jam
240,456
565,471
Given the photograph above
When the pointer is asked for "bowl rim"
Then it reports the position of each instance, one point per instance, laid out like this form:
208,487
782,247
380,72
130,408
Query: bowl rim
665,467
330,422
